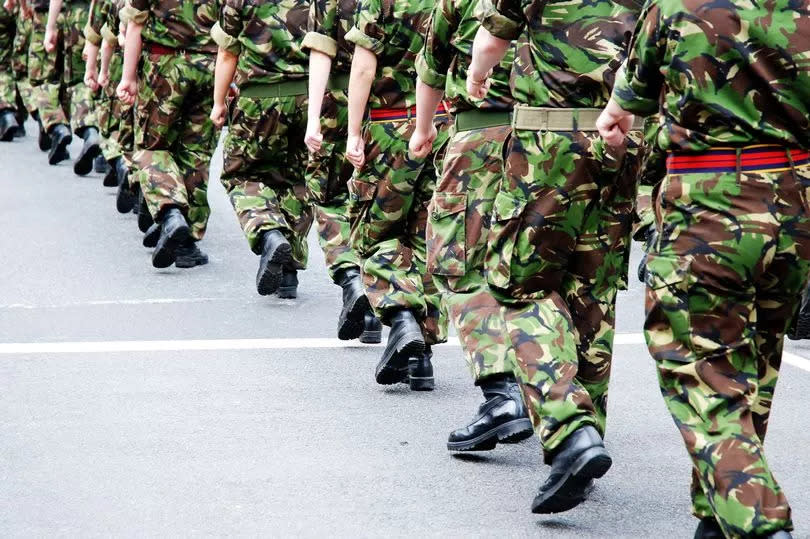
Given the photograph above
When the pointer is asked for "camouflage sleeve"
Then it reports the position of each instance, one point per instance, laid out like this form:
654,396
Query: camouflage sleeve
92,30
321,27
638,84
436,55
228,28
136,11
502,18
369,26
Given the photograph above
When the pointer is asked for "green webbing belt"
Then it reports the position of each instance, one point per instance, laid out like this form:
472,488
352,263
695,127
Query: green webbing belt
279,89
480,119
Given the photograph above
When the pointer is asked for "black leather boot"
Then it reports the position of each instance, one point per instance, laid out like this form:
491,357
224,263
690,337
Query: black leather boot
8,124
174,232
420,371
90,150
60,139
288,288
19,131
189,255
372,329
144,217
150,238
355,305
100,165
405,340
580,459
800,327
708,528
113,176
125,198
44,139
276,255
501,418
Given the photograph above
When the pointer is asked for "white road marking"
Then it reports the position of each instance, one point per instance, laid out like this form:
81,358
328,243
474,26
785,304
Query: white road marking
96,347
105,302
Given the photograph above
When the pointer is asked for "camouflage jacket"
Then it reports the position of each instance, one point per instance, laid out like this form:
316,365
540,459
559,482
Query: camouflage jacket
446,56
731,74
392,30
95,21
178,24
329,22
575,47
267,35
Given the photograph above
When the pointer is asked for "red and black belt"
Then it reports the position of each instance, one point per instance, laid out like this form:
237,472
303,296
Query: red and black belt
764,158
392,115
157,48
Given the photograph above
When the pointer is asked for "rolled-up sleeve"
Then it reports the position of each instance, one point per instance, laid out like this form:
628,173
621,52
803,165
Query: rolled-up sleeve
228,28
136,11
321,27
369,27
502,18
436,55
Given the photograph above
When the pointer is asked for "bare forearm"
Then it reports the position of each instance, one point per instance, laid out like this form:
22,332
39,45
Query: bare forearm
106,56
54,8
320,65
488,51
132,50
223,75
427,99
364,68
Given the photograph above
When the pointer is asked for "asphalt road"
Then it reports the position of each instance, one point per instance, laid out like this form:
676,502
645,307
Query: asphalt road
245,417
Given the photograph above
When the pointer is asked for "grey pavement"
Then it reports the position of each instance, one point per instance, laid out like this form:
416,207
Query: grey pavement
287,442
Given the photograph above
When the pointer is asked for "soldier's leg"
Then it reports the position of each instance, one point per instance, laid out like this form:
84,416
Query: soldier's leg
456,248
264,177
45,72
22,39
389,210
703,310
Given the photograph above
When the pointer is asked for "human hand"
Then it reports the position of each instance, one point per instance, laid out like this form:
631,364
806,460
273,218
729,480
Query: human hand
356,151
421,142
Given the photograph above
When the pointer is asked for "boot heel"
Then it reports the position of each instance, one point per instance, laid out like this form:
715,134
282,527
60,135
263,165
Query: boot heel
371,337
421,384
592,464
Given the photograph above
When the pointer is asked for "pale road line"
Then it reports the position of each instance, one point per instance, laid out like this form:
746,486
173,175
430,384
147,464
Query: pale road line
91,347
106,302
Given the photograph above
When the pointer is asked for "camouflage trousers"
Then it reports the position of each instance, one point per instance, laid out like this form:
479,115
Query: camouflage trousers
58,78
116,119
388,208
457,242
22,41
558,249
174,137
328,175
264,171
724,279
8,88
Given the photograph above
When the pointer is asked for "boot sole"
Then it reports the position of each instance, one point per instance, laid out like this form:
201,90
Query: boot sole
110,179
371,337
353,319
150,242
572,489
44,143
8,135
165,254
802,329
288,292
190,263
84,164
421,383
60,153
389,369
512,432
270,279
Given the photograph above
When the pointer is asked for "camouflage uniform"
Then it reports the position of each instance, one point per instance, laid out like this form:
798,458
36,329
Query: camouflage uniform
82,99
45,71
328,172
8,88
732,256
265,158
174,137
19,65
390,195
559,237
461,208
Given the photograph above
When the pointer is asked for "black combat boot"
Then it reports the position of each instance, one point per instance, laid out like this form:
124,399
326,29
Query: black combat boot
90,150
111,178
580,459
174,233
189,255
405,340
125,198
501,418
144,217
100,165
708,528
150,238
60,139
800,327
19,131
372,329
351,321
276,255
44,139
288,288
420,371
8,124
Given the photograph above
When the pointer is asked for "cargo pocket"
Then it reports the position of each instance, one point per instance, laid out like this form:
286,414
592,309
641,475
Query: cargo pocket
506,218
446,234
361,198
668,325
